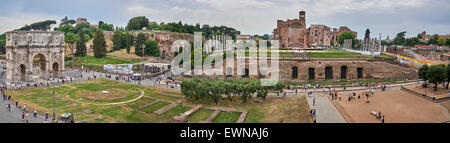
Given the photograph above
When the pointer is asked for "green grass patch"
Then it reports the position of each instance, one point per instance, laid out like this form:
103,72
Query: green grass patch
152,108
177,110
199,115
255,115
227,117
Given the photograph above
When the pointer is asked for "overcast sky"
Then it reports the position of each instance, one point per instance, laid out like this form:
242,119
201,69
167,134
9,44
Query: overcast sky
387,17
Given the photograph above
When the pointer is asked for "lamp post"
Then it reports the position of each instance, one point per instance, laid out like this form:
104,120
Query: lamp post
54,112
143,57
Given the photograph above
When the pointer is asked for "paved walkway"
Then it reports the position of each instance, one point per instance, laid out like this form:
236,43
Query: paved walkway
15,115
326,111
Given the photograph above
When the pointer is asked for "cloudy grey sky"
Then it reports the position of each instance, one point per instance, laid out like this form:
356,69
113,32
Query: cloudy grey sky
249,16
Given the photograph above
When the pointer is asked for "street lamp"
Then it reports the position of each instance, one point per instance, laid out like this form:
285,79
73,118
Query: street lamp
143,57
54,112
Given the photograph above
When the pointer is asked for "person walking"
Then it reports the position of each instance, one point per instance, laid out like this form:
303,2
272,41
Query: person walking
35,113
314,101
9,107
23,115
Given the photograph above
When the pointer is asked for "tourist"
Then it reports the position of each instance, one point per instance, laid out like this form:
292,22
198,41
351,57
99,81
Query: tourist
434,97
35,113
382,119
339,96
314,101
23,115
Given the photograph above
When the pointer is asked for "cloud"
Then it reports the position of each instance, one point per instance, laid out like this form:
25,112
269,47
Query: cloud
16,19
140,10
252,16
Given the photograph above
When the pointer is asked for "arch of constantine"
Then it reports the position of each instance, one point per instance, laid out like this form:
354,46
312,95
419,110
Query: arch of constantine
34,55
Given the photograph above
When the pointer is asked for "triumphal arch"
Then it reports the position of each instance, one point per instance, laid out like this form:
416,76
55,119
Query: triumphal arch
34,56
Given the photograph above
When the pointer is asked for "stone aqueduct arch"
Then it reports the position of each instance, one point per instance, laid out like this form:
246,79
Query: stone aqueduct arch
23,46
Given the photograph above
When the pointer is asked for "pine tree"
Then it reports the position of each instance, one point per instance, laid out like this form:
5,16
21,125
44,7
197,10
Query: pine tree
99,44
81,45
367,36
140,41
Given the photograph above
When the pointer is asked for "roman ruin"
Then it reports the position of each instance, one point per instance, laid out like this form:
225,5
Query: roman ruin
294,34
34,55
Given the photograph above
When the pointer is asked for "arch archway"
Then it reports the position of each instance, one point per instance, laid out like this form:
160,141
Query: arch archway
328,72
344,72
55,68
23,71
360,73
39,65
294,72
311,73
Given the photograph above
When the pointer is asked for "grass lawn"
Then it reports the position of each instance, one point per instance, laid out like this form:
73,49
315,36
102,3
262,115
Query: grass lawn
177,110
199,115
68,97
76,98
152,108
332,53
227,117
97,63
271,110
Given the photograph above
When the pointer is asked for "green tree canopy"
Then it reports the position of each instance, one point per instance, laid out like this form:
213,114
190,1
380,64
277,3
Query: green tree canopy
400,38
42,25
140,41
347,35
81,44
117,40
423,74
105,27
152,48
437,74
99,44
2,46
65,21
367,35
137,23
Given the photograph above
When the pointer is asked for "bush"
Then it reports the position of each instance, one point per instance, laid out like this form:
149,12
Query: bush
201,89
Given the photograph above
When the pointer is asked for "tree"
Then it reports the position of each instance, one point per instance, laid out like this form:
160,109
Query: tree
81,45
87,29
442,41
71,39
105,27
2,46
117,40
152,48
65,21
140,41
400,38
448,74
423,74
347,35
367,36
42,25
67,29
128,42
99,44
137,23
436,75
